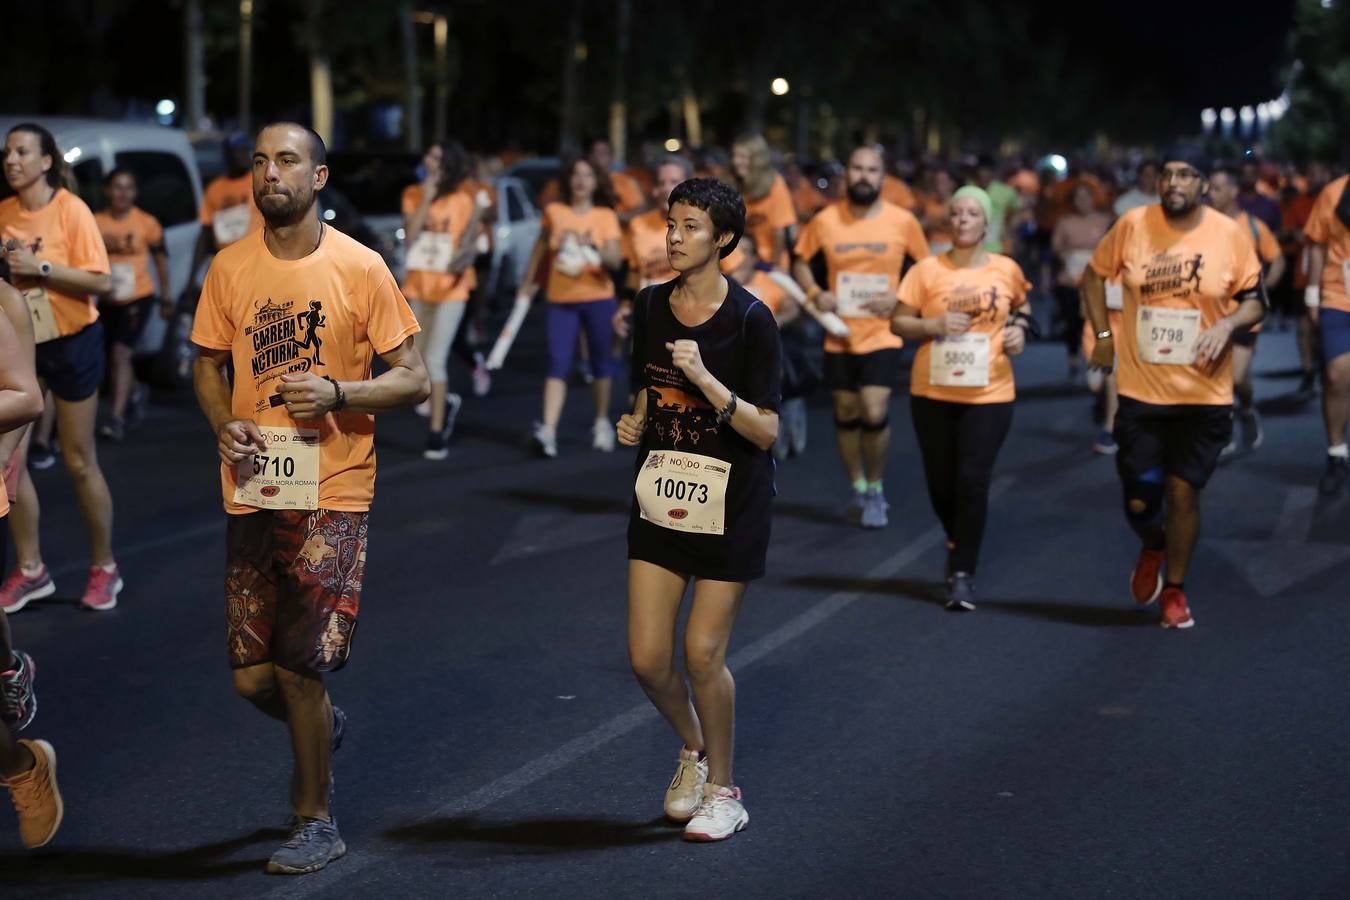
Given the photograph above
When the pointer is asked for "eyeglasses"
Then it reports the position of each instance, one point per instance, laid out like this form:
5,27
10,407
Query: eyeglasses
1181,176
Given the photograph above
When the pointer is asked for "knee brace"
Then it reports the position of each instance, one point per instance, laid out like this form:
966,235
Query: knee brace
1145,488
879,426
848,424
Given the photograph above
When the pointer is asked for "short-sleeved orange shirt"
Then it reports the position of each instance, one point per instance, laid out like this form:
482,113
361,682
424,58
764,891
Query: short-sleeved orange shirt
593,228
446,215
226,193
1325,228
645,248
128,241
767,291
770,213
63,233
627,193
1201,269
876,245
894,190
988,293
329,314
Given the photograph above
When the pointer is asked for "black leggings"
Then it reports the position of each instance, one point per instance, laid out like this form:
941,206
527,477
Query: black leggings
1070,316
959,443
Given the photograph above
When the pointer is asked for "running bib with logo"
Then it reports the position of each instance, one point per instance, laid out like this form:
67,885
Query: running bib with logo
43,316
123,281
1167,336
431,252
1075,262
231,224
683,491
960,360
855,290
284,475
1115,295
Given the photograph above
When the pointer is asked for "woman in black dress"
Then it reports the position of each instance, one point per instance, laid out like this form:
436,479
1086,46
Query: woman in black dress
706,375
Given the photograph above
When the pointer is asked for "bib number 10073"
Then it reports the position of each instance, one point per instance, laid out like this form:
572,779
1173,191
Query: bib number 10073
683,491
284,475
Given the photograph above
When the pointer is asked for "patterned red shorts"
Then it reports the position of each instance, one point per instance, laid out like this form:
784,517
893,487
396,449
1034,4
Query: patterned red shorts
293,587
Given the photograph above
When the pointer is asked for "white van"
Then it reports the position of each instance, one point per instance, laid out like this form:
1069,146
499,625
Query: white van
166,171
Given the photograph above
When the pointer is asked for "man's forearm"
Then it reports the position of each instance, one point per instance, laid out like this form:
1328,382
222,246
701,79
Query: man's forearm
1249,312
78,281
1094,301
395,389
213,392
801,270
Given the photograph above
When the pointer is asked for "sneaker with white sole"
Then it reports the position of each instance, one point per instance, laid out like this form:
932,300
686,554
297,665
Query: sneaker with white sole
16,687
22,588
545,440
602,436
101,592
719,816
312,845
874,510
685,794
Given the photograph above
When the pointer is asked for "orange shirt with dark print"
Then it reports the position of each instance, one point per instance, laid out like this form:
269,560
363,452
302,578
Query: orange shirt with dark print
328,314
768,291
63,233
226,193
129,241
644,246
770,214
594,228
988,293
1324,227
1201,269
877,245
446,215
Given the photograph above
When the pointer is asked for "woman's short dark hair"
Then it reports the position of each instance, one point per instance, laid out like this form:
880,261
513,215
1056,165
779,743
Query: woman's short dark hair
604,189
720,201
57,174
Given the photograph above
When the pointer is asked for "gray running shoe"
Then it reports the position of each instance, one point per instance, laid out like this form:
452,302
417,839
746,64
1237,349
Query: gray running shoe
312,845
960,593
874,511
856,503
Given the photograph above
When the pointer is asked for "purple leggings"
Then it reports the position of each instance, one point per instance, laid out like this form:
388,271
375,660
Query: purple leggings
595,317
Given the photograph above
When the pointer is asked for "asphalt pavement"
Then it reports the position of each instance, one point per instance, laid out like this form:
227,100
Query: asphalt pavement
1055,743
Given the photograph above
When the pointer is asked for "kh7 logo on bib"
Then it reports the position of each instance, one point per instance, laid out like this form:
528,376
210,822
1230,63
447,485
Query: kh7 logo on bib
284,341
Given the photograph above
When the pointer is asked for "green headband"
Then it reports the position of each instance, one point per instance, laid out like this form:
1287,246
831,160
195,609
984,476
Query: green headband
981,197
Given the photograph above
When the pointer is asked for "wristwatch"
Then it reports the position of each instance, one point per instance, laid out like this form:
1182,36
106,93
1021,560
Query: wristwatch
1103,335
44,268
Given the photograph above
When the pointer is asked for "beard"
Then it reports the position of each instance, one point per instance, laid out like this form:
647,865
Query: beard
280,214
863,194
1175,208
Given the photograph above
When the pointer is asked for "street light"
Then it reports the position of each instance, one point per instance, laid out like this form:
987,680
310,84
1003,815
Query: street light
673,145
780,86
1207,118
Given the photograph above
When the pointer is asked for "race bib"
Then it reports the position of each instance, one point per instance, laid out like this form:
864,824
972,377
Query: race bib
231,224
683,491
854,290
285,475
431,252
1345,275
123,281
1115,295
1075,262
937,248
960,360
1167,336
40,311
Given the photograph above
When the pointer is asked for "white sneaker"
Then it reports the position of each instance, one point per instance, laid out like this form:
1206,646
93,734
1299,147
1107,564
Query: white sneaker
685,794
423,409
603,436
719,816
545,440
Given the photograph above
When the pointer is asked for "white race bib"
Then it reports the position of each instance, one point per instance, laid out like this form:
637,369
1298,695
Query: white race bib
683,491
431,252
855,290
231,224
1345,275
40,311
1075,261
1115,295
1167,336
123,281
959,360
937,248
285,475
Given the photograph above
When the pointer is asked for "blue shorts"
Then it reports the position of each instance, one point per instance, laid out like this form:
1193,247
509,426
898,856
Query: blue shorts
1335,327
594,318
73,365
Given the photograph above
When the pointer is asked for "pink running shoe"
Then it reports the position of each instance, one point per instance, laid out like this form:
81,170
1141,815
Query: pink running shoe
20,589
101,592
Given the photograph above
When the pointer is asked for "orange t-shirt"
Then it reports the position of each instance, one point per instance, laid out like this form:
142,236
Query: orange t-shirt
229,196
627,193
1266,245
1201,269
858,254
987,293
328,313
129,241
645,248
590,229
772,212
894,190
1324,228
63,233
767,291
447,217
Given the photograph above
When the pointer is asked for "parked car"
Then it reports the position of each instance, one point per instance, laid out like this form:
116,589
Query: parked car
167,175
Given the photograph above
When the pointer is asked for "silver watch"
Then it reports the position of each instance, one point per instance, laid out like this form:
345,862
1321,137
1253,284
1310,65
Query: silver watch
44,268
